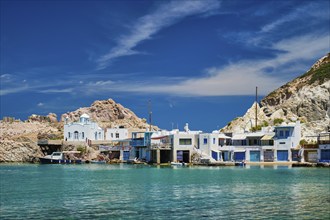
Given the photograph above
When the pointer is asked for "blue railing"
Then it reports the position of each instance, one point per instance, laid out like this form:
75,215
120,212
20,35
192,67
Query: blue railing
138,142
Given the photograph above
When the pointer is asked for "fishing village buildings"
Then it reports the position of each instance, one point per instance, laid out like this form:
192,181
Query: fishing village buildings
271,144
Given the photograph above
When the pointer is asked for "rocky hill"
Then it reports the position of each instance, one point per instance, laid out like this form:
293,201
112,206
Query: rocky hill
306,98
108,113
18,140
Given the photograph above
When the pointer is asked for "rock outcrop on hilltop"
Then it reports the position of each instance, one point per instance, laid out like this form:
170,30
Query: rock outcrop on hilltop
306,98
108,113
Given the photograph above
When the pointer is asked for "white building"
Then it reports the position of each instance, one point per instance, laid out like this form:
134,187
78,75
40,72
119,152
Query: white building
184,144
116,134
213,145
286,138
83,130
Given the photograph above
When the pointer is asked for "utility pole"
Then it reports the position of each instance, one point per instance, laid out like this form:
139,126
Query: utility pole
150,112
256,107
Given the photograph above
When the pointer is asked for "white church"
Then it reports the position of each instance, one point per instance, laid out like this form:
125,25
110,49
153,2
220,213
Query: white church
83,130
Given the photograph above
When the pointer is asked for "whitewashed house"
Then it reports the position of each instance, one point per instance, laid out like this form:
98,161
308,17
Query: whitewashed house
83,130
184,144
214,145
286,138
116,134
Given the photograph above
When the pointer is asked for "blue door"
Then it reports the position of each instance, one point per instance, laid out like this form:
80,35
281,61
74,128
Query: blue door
126,155
239,156
325,155
294,155
215,155
179,156
255,156
225,155
282,155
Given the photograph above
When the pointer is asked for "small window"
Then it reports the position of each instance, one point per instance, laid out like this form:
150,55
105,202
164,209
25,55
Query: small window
69,134
281,134
213,140
82,135
117,135
185,141
287,134
205,140
76,135
111,135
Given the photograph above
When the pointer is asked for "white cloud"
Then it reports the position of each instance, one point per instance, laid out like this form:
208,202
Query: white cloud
40,104
237,78
13,90
310,11
68,90
148,25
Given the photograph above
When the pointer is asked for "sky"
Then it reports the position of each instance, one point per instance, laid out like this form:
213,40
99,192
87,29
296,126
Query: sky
198,62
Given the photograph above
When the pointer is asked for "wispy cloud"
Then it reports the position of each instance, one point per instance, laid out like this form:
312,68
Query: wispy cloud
236,78
67,90
312,10
147,26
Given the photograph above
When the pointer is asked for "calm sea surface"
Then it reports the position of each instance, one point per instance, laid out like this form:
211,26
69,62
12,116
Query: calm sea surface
149,192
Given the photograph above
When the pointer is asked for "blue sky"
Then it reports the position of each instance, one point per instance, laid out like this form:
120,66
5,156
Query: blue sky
197,61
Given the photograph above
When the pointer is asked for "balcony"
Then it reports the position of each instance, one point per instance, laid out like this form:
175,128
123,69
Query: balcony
138,143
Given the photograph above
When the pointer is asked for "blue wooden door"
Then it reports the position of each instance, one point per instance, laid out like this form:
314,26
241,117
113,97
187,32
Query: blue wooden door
282,155
126,155
239,156
225,156
215,155
255,156
325,155
179,156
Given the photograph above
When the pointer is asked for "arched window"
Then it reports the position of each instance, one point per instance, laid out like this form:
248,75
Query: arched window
82,135
76,135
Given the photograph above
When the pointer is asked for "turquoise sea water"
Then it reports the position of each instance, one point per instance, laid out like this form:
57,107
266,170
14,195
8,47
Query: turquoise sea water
148,192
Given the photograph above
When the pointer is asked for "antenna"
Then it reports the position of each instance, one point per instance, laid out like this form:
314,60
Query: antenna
256,107
150,113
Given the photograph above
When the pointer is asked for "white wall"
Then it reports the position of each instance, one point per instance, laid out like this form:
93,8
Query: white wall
115,134
84,131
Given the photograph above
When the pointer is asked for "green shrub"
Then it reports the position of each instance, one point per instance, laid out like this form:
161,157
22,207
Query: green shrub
278,121
256,128
82,149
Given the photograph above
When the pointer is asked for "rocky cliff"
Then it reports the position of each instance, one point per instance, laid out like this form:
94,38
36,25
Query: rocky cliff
108,113
306,98
18,140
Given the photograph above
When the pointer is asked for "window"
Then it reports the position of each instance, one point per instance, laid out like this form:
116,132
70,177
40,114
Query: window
117,135
281,133
205,140
111,135
213,140
76,135
287,134
82,135
100,135
184,141
69,135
